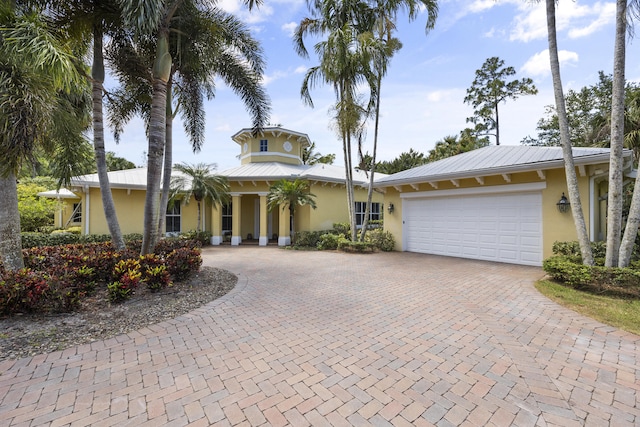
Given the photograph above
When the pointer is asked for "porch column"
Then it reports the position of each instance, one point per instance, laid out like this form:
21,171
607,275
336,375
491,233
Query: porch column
264,231
284,231
236,236
216,224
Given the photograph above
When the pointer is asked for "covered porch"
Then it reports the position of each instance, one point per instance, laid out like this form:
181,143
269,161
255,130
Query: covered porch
247,219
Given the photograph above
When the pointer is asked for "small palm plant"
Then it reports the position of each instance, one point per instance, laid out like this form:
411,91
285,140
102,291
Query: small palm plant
199,181
292,194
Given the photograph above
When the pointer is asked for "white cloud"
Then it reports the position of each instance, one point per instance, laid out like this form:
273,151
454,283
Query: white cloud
440,95
300,70
273,77
255,16
577,20
478,6
489,34
538,64
289,28
606,15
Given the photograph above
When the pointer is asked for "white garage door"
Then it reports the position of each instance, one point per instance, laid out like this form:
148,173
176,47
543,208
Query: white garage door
497,227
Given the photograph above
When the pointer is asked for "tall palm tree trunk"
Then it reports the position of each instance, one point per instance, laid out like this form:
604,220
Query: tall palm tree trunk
633,219
109,207
157,133
349,183
10,240
614,201
372,171
168,162
567,153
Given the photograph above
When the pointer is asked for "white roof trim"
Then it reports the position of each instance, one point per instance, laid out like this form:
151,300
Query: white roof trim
493,189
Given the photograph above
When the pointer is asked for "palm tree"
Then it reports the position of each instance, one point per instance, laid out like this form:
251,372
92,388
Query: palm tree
567,154
290,194
198,181
37,74
153,20
95,18
614,199
311,157
386,15
345,65
206,44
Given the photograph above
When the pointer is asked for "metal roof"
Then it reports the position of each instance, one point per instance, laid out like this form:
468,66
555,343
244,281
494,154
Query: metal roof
247,133
128,178
63,193
266,171
269,171
495,160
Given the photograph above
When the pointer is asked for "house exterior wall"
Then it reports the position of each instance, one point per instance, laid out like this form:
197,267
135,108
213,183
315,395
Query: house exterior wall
556,226
332,206
129,210
276,150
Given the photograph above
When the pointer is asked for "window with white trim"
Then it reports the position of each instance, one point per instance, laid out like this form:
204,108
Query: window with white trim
264,145
226,219
76,216
173,218
360,208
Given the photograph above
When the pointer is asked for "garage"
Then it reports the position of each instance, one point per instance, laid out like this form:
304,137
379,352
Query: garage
503,227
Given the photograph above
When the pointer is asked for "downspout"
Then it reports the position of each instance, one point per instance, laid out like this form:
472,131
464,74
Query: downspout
592,208
86,208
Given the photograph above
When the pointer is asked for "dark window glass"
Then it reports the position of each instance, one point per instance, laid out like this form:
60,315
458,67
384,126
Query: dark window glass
173,218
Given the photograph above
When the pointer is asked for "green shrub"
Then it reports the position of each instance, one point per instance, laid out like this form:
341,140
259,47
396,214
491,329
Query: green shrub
347,245
308,239
64,237
168,245
204,237
573,249
565,270
342,228
328,241
35,212
623,282
380,239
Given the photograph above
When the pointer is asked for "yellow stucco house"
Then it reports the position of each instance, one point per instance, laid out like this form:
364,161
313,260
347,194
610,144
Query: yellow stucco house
274,154
498,203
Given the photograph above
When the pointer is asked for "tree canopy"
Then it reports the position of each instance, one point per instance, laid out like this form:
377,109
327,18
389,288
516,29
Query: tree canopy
489,89
589,116
310,156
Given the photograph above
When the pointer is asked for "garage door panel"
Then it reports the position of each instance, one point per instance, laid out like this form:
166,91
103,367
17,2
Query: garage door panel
496,227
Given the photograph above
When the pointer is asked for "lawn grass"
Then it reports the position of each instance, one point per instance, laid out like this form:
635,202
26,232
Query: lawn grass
618,312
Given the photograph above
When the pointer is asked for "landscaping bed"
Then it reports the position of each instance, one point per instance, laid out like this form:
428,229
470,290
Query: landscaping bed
23,335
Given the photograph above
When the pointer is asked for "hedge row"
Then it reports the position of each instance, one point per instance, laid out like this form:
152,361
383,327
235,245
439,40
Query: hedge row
624,282
63,237
339,238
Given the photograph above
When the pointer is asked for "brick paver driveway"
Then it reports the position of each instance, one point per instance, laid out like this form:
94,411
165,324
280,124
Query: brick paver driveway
318,338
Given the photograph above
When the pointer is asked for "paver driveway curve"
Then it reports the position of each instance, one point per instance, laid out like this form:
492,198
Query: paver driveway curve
321,338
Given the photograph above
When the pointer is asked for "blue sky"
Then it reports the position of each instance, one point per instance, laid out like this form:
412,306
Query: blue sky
422,95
